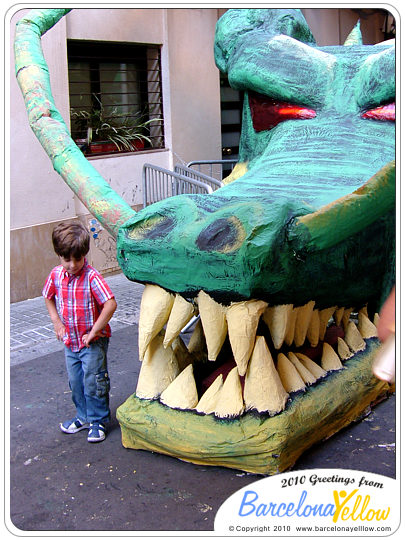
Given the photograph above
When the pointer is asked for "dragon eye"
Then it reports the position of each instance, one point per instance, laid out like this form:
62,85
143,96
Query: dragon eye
267,112
384,112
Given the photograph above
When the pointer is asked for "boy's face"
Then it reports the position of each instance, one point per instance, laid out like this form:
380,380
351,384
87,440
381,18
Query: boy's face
72,265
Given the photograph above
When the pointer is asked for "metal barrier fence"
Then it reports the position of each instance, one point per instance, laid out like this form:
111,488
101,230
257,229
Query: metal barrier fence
214,168
193,173
159,183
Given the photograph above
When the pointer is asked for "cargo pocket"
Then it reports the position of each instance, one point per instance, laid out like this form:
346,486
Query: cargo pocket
102,383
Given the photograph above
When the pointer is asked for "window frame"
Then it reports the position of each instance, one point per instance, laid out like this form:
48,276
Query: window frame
99,61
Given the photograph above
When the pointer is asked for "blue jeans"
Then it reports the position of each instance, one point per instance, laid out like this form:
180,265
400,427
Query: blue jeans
89,381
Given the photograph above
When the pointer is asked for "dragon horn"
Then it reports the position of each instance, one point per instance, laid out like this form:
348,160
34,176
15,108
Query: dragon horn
49,127
348,215
355,36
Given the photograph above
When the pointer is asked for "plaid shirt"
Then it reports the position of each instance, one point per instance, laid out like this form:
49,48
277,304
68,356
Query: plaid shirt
79,300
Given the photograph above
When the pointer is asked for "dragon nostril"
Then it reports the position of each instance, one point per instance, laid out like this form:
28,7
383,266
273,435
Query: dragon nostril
223,235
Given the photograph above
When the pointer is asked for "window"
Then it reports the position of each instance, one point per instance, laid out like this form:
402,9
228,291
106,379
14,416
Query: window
115,96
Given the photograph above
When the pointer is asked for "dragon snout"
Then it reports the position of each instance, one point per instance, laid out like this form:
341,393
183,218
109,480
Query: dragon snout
189,243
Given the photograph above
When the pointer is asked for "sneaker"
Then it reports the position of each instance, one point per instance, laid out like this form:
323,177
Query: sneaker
96,432
73,426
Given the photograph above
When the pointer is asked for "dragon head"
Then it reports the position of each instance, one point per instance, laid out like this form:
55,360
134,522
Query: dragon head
285,264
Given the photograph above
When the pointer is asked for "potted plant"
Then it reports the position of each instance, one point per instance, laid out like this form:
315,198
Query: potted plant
115,132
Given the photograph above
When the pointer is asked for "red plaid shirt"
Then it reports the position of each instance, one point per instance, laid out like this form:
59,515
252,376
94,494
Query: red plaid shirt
79,300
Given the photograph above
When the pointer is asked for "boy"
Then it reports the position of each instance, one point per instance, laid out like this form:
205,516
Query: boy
80,304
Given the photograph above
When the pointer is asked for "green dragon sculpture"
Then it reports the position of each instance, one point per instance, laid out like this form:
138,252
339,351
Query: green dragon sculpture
287,264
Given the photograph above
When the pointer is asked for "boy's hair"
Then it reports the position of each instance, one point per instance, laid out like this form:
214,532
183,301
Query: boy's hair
71,240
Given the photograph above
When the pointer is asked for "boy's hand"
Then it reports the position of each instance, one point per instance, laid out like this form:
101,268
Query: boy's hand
88,338
60,330
58,325
105,315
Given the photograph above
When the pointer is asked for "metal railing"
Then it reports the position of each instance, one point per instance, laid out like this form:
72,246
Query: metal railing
213,168
159,183
193,173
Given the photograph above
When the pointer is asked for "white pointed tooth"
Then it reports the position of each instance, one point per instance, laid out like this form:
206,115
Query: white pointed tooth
276,318
314,329
182,392
306,375
353,338
159,368
346,316
289,335
343,349
301,325
311,366
376,320
366,328
364,311
263,390
183,356
338,315
181,313
156,305
210,397
214,323
243,318
197,341
330,360
289,376
230,400
324,318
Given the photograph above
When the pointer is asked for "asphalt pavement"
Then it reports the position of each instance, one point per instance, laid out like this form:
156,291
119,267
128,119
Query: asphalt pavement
60,483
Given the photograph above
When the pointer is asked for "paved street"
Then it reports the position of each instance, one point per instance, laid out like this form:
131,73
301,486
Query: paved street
61,483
